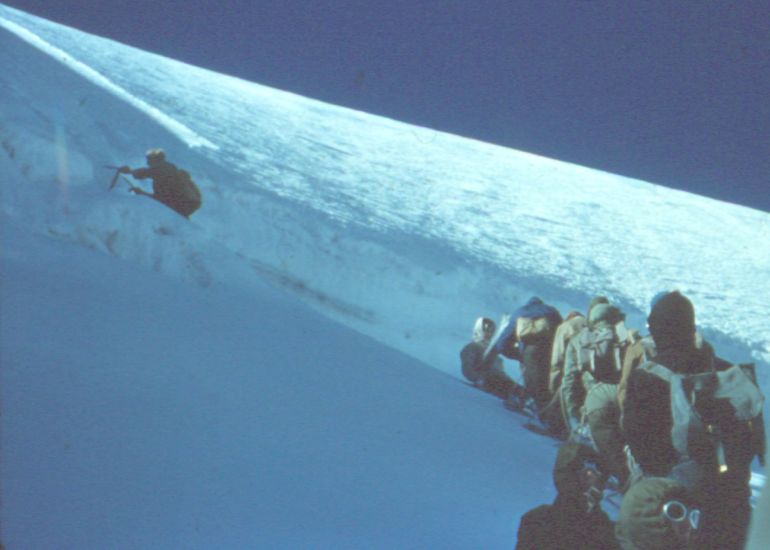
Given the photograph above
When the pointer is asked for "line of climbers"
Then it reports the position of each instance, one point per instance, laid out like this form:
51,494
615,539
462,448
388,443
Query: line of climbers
662,419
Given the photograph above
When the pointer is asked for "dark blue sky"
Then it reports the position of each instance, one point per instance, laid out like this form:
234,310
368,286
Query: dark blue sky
676,92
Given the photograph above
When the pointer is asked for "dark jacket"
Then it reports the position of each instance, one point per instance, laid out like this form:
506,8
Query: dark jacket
644,350
474,368
488,375
647,419
647,424
567,523
563,526
171,186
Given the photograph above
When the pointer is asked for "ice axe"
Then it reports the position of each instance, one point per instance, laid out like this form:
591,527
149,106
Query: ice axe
114,180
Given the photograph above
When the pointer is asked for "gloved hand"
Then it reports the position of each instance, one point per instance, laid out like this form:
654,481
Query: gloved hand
124,169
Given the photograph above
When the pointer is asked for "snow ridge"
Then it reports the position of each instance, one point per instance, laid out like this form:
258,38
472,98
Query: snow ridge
359,215
184,133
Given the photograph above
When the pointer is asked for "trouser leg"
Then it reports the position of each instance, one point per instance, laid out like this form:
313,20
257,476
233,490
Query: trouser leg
606,433
534,363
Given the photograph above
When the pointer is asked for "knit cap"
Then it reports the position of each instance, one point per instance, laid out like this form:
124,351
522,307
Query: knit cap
641,524
605,313
672,320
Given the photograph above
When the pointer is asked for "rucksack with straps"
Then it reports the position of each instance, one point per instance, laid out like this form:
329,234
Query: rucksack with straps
529,329
188,197
605,345
595,358
709,408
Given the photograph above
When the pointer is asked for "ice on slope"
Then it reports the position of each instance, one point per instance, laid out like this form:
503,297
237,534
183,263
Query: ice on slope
360,214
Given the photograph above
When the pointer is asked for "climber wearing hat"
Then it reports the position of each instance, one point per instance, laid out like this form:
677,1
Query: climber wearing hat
171,186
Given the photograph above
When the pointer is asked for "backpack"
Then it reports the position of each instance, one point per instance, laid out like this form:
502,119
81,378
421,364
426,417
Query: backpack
605,345
530,330
188,190
708,409
188,198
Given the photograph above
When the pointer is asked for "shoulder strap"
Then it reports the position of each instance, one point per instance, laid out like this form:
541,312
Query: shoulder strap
685,420
648,348
657,369
734,385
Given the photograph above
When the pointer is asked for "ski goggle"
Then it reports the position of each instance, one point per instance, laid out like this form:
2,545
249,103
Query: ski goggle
677,513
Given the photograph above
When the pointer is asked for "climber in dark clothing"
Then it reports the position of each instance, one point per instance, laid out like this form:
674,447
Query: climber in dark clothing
575,520
488,375
171,186
528,338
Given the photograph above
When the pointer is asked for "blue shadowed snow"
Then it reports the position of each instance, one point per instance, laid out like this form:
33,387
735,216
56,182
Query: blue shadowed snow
164,382
138,412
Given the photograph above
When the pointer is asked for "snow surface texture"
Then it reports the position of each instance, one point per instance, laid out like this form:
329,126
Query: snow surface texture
401,233
138,413
359,214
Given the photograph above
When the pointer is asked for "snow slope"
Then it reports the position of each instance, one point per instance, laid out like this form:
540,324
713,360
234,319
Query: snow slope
138,413
162,384
356,213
